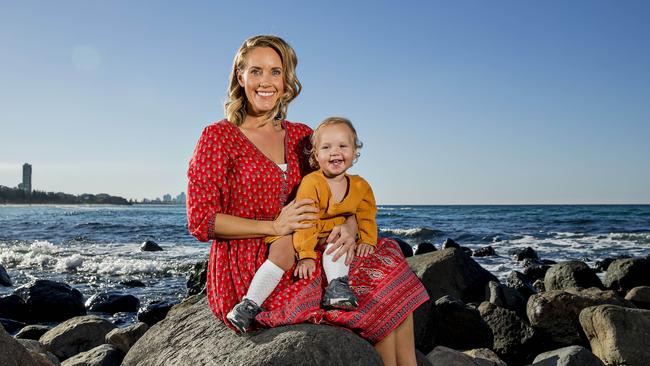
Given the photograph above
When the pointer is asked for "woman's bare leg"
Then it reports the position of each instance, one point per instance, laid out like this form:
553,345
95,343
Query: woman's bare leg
405,343
387,349
282,253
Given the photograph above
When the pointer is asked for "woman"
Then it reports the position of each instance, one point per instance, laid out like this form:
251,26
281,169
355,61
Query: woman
243,171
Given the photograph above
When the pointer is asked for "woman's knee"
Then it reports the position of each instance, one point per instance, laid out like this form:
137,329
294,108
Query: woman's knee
282,253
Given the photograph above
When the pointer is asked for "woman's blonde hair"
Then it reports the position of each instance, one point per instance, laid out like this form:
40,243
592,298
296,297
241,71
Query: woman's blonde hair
235,106
329,122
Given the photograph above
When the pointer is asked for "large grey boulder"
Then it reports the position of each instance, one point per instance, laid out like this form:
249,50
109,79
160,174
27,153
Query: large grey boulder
13,307
567,356
76,335
618,335
639,296
506,297
34,332
193,336
555,313
104,355
50,301
125,338
197,277
485,357
445,272
112,302
444,356
514,340
571,274
13,353
39,353
625,274
459,326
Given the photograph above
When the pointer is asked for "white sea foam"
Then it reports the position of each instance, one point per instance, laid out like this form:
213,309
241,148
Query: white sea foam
68,264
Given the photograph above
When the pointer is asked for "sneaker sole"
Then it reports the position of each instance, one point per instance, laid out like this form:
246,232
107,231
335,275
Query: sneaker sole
240,327
342,305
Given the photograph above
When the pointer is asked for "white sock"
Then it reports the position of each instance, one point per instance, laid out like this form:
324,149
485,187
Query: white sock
334,269
266,278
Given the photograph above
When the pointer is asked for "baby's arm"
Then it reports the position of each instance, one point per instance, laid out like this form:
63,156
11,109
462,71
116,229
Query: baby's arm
366,215
305,240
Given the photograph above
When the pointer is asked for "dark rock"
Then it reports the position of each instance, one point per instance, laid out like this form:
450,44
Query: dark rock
33,332
125,338
406,248
554,314
49,301
150,246
11,326
536,271
460,326
618,335
76,335
568,356
445,272
571,274
167,343
485,357
485,252
531,262
196,279
13,307
467,251
112,302
425,248
39,353
4,277
521,254
514,340
603,265
444,356
625,274
539,286
155,311
450,243
639,296
521,283
506,297
133,283
421,359
13,353
103,355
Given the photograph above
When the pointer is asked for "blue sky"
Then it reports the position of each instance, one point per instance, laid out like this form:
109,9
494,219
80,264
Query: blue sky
463,102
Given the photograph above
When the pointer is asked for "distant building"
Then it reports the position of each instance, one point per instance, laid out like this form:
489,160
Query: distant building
27,179
167,198
180,199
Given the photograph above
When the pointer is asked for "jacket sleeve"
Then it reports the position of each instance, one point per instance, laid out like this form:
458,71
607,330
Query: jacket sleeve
366,216
305,240
207,189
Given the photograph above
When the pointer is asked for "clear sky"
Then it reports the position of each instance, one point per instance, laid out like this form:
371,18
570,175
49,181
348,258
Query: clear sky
458,102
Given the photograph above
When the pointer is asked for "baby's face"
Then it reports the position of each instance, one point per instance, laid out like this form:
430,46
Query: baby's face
335,149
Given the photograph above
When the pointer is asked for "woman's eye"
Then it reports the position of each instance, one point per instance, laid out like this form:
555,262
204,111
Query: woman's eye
255,72
277,72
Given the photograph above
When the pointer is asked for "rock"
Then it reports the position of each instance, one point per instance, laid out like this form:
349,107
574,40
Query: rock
459,326
13,353
49,301
449,243
618,335
133,283
406,248
625,274
639,296
112,302
39,353
445,272
521,283
4,277
485,357
125,338
568,356
485,252
33,332
514,340
536,271
539,286
196,279
443,356
13,307
424,248
506,297
11,326
603,265
76,335
155,311
104,355
212,343
571,274
421,359
521,254
555,313
150,246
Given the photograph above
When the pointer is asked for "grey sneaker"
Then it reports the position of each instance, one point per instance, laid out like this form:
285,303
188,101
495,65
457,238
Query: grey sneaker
338,295
242,315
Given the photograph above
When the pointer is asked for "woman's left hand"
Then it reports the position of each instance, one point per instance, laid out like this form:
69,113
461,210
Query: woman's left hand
344,239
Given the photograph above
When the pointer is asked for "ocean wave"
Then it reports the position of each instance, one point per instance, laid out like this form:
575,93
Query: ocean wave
641,238
417,232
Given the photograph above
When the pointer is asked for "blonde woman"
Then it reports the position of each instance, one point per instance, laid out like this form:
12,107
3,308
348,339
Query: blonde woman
241,178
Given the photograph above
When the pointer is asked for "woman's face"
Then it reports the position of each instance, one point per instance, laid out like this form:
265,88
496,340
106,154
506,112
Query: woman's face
262,80
335,149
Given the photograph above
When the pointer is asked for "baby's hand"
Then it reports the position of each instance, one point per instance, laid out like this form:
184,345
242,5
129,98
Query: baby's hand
364,249
305,268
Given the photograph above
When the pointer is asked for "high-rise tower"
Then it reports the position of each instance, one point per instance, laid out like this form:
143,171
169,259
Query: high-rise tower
27,178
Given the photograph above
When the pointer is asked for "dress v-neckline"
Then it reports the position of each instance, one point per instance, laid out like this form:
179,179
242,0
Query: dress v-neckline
286,137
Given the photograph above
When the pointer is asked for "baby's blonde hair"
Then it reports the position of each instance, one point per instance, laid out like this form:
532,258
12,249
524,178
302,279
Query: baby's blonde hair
235,106
329,122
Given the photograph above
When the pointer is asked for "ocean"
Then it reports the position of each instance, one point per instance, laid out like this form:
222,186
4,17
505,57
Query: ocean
94,248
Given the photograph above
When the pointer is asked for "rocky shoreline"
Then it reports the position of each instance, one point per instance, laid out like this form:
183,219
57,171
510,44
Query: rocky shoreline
548,314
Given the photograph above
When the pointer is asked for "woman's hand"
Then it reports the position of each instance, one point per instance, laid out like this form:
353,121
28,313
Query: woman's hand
364,249
343,239
305,268
295,216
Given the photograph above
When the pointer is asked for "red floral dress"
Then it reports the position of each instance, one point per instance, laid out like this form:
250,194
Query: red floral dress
229,175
